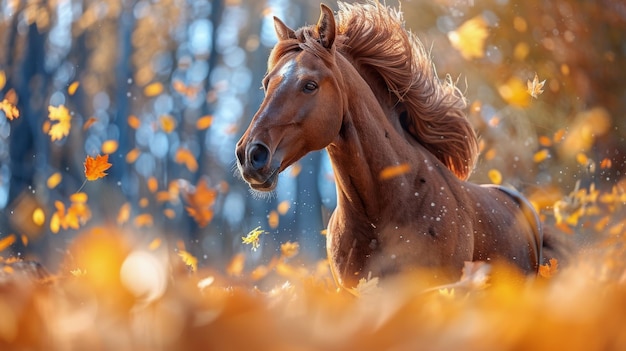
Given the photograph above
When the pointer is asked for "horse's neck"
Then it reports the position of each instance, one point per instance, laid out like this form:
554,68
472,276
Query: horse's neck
370,142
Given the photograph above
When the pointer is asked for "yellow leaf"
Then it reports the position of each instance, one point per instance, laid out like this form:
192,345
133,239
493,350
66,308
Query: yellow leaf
79,198
109,146
469,38
394,171
72,88
189,259
61,115
582,159
39,217
513,92
253,237
153,89
154,244
495,176
10,111
54,180
204,122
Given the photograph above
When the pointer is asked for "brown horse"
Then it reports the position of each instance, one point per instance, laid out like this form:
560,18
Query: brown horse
400,145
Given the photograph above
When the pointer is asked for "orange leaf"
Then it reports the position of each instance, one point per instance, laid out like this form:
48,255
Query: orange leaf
549,269
143,220
469,38
541,155
272,219
89,122
79,198
283,207
134,121
95,167
124,214
185,156
168,123
394,171
204,122
72,88
153,184
153,89
154,244
133,155
7,241
606,163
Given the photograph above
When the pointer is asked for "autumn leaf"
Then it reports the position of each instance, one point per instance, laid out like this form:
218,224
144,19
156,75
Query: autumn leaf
10,111
253,238
168,123
54,180
549,269
184,156
7,241
71,90
469,38
535,88
109,146
95,167
289,249
204,122
495,176
189,259
273,219
62,116
89,122
200,202
134,122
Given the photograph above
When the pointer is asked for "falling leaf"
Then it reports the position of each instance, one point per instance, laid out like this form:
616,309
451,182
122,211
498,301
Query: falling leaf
366,287
133,155
3,79
184,156
394,171
168,123
154,244
79,198
61,115
606,163
134,122
545,141
169,213
10,111
469,38
54,180
535,88
24,239
39,217
253,237
289,249
236,265
541,155
283,207
124,213
89,122
204,122
200,202
549,269
7,241
490,154
189,259
153,184
95,167
153,89
495,176
71,90
143,220
109,146
513,92
559,135
272,219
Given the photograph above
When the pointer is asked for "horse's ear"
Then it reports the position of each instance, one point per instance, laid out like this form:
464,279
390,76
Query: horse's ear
282,31
326,26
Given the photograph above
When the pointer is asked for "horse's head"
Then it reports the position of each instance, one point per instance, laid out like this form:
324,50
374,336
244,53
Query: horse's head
303,106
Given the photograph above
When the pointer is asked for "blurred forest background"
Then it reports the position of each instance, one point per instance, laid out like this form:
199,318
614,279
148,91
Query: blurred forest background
166,87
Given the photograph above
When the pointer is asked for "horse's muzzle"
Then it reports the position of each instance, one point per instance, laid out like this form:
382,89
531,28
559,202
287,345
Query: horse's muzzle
254,162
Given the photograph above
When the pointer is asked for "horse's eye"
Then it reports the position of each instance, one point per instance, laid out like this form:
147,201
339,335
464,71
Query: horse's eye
310,87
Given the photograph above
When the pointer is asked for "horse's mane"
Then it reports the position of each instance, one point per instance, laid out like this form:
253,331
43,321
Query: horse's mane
394,63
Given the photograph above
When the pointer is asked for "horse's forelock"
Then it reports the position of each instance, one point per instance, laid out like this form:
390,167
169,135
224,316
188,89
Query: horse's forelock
394,59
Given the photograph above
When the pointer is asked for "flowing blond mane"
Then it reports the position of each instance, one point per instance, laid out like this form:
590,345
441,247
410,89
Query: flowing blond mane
394,63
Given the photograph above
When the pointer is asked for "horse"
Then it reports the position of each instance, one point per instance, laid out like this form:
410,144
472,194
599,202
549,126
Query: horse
400,144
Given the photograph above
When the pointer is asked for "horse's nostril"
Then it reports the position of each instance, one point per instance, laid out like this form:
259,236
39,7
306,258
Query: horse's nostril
258,155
